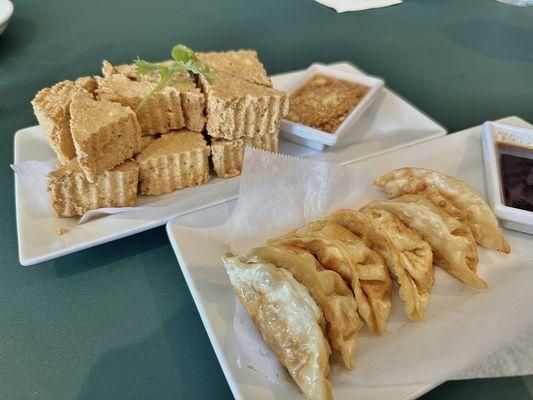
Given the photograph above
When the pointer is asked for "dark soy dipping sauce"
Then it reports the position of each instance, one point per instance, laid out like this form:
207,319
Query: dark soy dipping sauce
516,165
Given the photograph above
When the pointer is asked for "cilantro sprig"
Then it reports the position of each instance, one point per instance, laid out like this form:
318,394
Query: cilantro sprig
183,59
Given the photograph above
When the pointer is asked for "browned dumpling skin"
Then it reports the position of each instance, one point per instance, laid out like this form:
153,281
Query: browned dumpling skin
332,254
329,291
407,256
452,242
375,299
432,194
455,196
288,318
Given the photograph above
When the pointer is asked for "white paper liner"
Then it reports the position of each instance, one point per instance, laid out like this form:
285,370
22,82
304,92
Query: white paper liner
281,195
34,175
465,333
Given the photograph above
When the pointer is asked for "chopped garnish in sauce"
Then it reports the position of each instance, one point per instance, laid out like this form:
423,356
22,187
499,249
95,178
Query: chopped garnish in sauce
324,102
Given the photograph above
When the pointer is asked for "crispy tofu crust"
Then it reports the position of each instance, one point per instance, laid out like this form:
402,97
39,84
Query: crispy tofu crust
237,108
51,107
177,160
227,155
242,64
161,113
191,97
105,134
72,194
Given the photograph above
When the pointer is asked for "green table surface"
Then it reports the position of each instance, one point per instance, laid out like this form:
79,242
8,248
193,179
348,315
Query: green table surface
117,321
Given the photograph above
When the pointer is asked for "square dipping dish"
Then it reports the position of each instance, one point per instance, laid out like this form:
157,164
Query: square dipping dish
316,138
508,161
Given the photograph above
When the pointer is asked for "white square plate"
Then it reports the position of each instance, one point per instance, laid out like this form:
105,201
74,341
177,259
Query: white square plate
389,123
199,240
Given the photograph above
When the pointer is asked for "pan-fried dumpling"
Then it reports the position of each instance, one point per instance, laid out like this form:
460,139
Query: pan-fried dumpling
374,276
328,290
288,318
453,246
454,223
333,255
408,257
433,195
458,198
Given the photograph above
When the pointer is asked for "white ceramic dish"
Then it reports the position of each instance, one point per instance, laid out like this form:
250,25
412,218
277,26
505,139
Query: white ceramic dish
316,138
200,238
391,122
6,11
494,133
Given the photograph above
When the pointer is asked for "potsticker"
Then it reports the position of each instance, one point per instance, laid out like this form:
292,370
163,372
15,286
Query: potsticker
408,257
452,243
288,318
329,291
452,194
374,276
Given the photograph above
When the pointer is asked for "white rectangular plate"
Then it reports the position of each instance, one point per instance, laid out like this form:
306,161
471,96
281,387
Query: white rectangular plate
199,240
391,122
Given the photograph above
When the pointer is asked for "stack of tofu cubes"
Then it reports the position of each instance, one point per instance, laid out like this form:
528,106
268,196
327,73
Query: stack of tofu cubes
242,108
109,150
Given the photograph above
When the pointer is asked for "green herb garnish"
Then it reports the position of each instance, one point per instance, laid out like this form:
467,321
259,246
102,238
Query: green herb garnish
183,59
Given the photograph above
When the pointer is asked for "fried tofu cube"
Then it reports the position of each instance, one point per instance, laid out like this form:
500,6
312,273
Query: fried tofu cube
193,105
227,155
244,64
72,194
237,108
51,107
160,113
176,160
192,100
105,133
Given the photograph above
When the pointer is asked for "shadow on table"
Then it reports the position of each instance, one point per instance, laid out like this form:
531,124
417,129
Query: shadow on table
494,39
175,361
106,254
159,367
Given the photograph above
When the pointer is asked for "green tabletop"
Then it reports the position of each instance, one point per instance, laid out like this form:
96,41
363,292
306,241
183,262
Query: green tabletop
117,321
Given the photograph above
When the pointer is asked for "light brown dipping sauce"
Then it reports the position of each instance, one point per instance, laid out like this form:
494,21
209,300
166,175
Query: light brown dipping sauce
324,102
